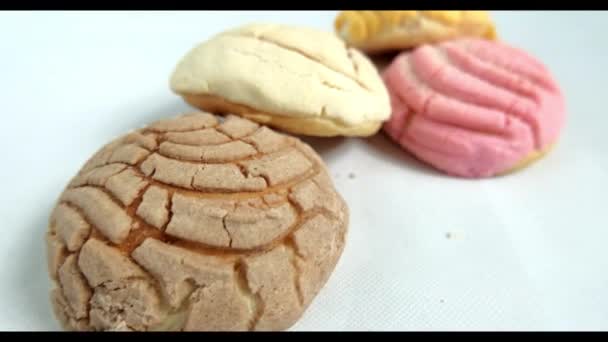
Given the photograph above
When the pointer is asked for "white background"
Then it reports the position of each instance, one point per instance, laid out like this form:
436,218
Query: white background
526,251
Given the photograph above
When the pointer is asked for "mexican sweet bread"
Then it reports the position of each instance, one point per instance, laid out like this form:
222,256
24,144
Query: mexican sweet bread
473,107
300,80
382,31
195,223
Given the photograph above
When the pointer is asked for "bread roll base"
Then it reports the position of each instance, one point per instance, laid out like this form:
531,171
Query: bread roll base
311,126
528,160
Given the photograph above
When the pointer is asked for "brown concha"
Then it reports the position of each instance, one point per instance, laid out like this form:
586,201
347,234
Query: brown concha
195,223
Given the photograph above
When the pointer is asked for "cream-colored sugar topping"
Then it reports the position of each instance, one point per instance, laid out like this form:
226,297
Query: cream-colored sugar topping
289,71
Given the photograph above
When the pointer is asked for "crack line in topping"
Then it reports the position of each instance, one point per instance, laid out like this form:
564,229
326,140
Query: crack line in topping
216,194
332,86
245,174
67,307
230,252
227,230
126,144
104,190
222,193
275,63
157,132
165,138
303,54
107,163
132,208
59,284
84,218
169,208
88,304
321,82
293,259
148,130
349,54
203,150
87,219
63,255
252,157
255,299
312,212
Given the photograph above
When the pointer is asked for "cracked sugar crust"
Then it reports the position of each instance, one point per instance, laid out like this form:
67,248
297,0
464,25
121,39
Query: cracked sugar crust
238,233
303,76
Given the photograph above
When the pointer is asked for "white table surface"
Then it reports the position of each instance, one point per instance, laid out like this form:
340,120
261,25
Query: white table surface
528,251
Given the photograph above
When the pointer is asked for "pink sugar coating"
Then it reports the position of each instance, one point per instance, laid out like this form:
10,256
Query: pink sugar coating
480,106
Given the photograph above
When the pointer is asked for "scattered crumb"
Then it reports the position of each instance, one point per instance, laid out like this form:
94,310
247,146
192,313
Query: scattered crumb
441,301
351,175
457,235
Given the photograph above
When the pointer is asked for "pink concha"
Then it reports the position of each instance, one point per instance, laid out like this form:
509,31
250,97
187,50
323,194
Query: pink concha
472,108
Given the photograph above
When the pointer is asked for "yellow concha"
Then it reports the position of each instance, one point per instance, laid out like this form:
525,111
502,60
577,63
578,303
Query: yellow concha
377,31
446,17
372,22
350,25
